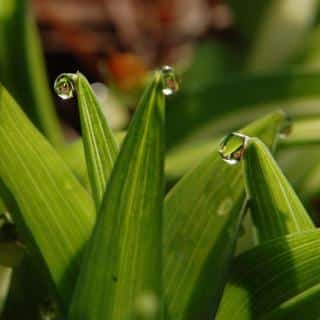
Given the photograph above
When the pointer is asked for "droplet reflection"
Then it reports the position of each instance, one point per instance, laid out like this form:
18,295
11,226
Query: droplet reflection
64,86
170,81
232,147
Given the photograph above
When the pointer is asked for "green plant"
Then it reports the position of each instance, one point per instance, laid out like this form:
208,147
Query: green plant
165,221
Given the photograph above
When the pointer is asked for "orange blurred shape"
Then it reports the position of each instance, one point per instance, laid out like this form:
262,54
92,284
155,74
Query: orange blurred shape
126,70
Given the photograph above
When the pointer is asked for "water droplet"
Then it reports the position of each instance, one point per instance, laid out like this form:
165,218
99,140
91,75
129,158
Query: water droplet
286,127
170,81
64,85
232,147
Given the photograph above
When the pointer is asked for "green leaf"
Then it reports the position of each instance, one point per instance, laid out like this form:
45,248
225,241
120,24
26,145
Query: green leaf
183,157
277,280
305,178
100,147
303,132
5,280
73,155
201,221
273,26
46,201
290,158
22,69
191,111
282,31
275,208
122,266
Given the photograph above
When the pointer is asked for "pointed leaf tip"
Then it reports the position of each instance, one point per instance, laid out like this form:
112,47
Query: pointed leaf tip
275,207
122,266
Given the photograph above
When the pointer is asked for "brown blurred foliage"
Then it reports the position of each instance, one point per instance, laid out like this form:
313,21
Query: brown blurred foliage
122,39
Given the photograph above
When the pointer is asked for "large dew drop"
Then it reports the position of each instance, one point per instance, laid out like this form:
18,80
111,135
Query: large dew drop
232,147
170,81
64,86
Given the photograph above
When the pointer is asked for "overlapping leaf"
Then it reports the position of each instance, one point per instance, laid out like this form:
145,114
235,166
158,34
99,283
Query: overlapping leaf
99,143
122,266
276,209
277,280
22,68
288,281
49,205
201,220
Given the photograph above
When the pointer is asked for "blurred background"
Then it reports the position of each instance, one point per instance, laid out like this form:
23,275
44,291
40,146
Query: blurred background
118,42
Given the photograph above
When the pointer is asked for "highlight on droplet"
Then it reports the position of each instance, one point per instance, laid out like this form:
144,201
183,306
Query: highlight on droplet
170,81
232,147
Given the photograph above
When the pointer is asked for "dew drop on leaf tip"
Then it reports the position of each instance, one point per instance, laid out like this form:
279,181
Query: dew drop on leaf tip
232,147
170,81
64,86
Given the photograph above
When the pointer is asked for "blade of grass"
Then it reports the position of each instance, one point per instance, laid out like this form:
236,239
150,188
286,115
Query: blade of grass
99,143
73,155
184,157
202,214
22,68
276,280
48,204
275,208
122,266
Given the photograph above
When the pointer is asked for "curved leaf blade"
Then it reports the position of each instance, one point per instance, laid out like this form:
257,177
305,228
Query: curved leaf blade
275,280
99,143
22,68
275,208
202,214
46,201
126,241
